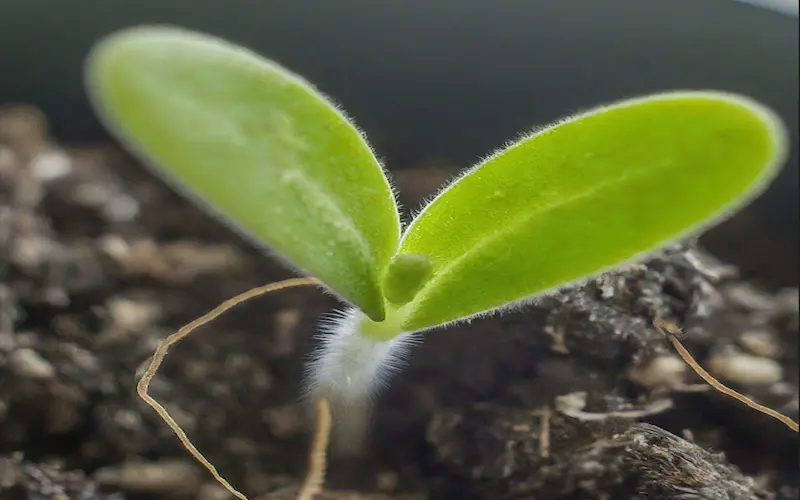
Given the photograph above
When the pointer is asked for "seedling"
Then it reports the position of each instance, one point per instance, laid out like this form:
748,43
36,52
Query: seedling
263,149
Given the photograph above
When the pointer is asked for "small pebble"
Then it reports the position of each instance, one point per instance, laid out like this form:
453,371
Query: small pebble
163,477
761,343
661,371
26,339
574,401
783,389
213,491
80,358
709,266
51,165
29,364
132,314
115,247
93,194
55,296
285,322
121,208
31,251
190,259
128,419
606,291
745,369
24,129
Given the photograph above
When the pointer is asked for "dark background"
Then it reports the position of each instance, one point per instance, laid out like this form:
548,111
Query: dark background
454,79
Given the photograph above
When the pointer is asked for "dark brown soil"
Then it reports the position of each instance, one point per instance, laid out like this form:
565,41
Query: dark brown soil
99,262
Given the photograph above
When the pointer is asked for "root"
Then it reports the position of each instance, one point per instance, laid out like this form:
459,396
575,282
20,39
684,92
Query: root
144,383
673,331
317,457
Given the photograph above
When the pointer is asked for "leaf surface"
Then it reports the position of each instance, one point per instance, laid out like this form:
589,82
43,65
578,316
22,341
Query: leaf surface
257,145
586,195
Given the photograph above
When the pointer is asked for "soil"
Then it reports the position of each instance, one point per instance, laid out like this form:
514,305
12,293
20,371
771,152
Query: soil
576,396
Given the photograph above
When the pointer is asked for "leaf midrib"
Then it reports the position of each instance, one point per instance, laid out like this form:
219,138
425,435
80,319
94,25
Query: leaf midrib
522,220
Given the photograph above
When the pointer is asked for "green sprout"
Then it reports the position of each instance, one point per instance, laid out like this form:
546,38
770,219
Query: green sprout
264,150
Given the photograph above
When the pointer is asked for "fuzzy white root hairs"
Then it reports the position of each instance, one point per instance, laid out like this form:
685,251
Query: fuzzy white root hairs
349,370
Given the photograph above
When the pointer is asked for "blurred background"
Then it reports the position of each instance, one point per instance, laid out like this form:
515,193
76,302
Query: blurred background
437,83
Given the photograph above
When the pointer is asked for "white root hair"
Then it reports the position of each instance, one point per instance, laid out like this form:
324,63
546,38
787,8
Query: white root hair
349,370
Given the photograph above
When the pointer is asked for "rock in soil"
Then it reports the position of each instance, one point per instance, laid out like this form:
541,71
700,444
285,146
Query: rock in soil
575,396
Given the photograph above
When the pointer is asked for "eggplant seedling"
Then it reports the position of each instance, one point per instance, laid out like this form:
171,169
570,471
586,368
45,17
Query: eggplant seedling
260,147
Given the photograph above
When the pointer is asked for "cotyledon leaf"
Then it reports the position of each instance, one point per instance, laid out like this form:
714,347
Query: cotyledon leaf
587,194
257,145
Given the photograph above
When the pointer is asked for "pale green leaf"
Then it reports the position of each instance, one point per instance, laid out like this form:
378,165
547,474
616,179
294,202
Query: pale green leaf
588,194
258,145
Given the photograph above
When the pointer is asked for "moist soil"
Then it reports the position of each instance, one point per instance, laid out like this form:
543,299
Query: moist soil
575,396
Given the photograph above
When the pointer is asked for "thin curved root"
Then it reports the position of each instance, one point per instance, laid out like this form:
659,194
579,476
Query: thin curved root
673,331
316,474
317,457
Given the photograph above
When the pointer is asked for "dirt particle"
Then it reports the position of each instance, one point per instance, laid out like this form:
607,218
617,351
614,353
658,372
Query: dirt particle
285,324
51,165
24,129
191,259
30,364
283,422
213,491
760,343
164,477
128,419
81,358
574,401
130,314
558,335
31,251
662,371
745,369
121,208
